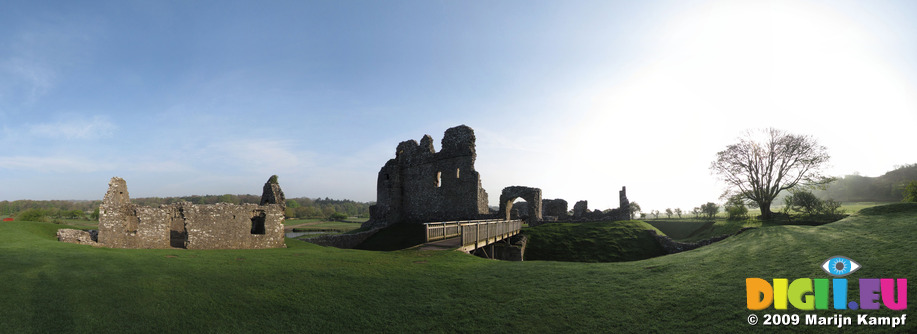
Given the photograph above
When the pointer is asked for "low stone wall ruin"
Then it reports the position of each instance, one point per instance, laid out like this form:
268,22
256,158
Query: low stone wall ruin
78,236
185,225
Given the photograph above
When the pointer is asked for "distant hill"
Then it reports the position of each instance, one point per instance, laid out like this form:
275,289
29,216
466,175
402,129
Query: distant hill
885,188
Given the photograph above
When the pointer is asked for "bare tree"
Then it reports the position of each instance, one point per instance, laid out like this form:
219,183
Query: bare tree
766,162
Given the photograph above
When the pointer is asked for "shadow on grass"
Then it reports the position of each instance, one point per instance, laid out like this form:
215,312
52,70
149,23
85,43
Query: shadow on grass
394,237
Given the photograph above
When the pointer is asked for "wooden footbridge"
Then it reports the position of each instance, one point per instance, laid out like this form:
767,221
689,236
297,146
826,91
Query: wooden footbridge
468,235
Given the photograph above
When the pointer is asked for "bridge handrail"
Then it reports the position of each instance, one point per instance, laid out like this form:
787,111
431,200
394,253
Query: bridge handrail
481,232
448,229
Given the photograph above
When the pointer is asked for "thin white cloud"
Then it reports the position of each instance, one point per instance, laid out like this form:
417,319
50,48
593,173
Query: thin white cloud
95,127
52,164
30,78
157,166
37,55
263,155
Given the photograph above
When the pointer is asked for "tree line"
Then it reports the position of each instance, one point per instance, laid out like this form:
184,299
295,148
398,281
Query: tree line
302,207
889,187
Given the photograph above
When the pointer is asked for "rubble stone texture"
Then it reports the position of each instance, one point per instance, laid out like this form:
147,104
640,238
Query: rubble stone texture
421,185
554,208
531,195
77,236
185,225
580,209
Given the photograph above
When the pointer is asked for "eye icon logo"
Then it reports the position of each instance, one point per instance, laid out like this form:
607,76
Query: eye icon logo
840,266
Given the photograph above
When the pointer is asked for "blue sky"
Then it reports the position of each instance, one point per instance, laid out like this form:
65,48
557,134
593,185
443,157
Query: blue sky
578,98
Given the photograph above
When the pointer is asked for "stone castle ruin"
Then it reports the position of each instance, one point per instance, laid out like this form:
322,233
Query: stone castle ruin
622,212
185,225
421,185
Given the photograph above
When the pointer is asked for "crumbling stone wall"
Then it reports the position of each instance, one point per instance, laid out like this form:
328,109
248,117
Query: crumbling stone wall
224,226
185,225
554,208
126,225
78,236
529,194
421,185
580,209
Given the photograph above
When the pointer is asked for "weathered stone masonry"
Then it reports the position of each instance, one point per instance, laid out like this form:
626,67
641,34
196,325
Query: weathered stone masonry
422,185
185,225
532,196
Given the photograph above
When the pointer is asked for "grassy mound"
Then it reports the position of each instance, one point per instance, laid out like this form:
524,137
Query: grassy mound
52,287
890,209
592,242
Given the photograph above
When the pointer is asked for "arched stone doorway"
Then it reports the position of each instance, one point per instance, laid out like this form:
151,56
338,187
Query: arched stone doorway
529,194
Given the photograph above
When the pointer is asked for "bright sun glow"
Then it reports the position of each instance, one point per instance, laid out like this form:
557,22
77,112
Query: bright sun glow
740,64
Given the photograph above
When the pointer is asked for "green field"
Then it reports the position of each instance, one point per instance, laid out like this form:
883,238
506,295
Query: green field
847,207
51,287
690,229
322,225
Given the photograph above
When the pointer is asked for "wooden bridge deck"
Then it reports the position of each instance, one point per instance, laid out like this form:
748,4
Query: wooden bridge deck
467,236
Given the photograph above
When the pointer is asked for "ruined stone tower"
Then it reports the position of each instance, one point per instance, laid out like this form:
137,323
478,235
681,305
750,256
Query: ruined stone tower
623,203
422,185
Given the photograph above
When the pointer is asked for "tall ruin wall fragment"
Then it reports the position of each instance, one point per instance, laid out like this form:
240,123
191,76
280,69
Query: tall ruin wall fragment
422,185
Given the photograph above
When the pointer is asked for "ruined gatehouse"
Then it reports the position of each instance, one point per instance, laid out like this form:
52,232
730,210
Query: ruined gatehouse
185,225
422,185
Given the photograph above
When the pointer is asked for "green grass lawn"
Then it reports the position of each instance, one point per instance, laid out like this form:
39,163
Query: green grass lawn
51,287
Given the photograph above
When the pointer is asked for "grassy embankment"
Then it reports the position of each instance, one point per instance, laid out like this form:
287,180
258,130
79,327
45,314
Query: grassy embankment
592,242
50,286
